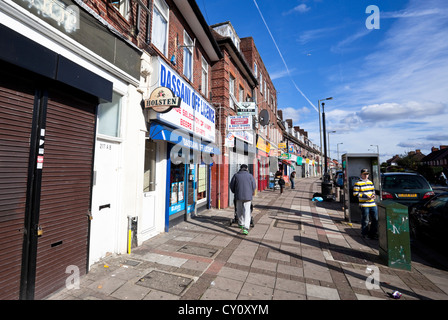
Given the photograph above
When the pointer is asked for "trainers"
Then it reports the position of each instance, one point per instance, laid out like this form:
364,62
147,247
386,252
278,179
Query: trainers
245,231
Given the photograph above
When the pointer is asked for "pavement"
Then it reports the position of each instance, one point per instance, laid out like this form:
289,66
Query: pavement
298,249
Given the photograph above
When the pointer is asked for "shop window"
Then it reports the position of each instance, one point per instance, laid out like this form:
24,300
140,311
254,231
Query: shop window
149,176
177,183
202,181
109,117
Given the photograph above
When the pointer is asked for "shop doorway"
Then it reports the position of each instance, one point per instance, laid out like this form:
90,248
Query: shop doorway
103,227
149,189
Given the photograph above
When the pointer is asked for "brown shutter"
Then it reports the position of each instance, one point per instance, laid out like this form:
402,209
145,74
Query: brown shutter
65,189
16,108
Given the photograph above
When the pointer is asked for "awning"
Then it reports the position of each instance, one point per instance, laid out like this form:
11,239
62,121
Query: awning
159,131
289,163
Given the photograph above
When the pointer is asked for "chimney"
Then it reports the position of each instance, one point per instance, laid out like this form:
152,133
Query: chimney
297,128
289,122
443,147
280,114
434,149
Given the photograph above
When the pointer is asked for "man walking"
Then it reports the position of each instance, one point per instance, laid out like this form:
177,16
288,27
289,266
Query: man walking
365,191
243,186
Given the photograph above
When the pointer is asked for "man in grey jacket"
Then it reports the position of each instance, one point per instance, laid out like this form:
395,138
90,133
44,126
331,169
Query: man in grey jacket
243,186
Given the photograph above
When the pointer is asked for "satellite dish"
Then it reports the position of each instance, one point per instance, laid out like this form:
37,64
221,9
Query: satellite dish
264,117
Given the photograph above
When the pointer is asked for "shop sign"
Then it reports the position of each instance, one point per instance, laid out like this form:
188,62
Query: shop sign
247,109
291,148
282,145
162,100
245,136
194,114
239,123
63,14
263,145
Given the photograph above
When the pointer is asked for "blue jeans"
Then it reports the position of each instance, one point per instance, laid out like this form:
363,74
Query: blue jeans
369,214
292,183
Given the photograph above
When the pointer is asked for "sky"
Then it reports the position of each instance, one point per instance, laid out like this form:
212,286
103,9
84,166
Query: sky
386,67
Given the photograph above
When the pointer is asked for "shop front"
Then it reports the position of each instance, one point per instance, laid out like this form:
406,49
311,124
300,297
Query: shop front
187,133
263,150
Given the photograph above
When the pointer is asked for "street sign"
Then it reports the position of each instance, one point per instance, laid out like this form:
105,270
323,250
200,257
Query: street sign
239,123
247,109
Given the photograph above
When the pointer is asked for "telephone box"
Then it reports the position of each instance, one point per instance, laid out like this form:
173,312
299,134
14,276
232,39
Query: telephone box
352,163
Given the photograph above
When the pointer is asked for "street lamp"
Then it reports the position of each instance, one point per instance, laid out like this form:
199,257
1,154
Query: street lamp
320,130
377,148
337,146
329,151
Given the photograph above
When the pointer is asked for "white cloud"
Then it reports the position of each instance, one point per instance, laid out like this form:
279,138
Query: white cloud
301,8
395,111
280,74
314,34
343,46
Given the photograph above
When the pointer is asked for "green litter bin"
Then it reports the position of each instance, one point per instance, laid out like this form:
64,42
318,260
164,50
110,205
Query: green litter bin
393,231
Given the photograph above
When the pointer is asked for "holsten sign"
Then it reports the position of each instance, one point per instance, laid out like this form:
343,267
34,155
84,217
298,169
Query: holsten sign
162,100
194,114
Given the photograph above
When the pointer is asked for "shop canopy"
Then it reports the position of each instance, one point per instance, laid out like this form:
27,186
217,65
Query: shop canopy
289,163
160,131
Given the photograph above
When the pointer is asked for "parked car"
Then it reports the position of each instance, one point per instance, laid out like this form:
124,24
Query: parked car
405,187
430,218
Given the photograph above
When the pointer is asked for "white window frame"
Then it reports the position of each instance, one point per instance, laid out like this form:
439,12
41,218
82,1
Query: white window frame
241,94
123,6
162,9
204,84
188,48
232,81
110,111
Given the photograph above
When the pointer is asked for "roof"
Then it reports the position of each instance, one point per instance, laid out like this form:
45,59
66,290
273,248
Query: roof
192,14
436,155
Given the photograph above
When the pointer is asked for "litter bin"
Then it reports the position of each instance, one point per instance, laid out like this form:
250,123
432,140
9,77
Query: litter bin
326,188
393,231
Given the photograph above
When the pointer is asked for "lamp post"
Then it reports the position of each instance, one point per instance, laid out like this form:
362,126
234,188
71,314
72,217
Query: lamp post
337,146
325,141
329,151
320,129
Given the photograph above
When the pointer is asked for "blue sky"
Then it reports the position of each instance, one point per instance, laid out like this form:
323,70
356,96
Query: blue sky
390,85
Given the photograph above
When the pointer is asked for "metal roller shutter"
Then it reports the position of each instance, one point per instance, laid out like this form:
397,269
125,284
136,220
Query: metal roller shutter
65,189
16,114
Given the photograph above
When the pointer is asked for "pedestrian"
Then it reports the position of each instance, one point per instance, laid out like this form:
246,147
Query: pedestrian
365,191
442,179
291,177
277,177
281,181
243,186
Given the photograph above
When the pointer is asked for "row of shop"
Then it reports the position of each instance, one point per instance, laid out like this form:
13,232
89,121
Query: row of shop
93,147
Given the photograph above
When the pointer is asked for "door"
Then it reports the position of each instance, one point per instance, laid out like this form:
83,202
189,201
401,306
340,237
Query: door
16,114
65,188
147,224
191,192
103,227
